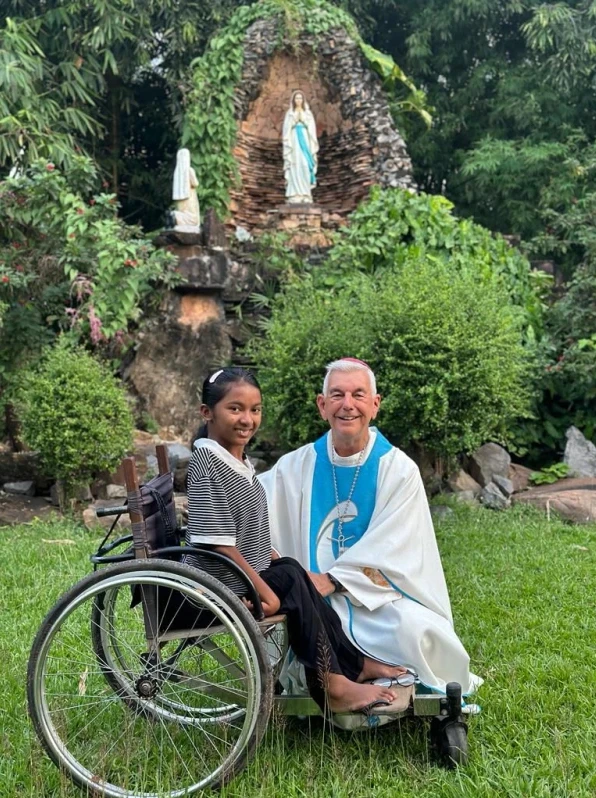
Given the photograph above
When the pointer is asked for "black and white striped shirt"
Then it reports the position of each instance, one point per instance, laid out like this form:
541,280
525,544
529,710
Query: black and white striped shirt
227,506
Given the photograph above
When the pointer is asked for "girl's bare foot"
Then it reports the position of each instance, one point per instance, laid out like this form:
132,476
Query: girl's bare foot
372,669
345,696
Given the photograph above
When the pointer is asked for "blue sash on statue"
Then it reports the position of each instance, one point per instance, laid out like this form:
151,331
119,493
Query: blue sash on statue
323,509
300,133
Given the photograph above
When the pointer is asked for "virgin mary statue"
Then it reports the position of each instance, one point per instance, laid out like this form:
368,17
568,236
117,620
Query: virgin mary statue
186,216
300,149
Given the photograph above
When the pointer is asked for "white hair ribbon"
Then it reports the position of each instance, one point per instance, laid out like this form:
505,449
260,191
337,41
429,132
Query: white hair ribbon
213,377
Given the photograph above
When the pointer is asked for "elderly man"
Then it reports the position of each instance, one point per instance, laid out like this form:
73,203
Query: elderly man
351,508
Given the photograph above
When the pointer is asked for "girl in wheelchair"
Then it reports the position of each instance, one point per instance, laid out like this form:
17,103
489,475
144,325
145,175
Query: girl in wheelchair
227,509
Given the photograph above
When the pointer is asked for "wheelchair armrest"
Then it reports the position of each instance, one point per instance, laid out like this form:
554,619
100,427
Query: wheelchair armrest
120,509
251,591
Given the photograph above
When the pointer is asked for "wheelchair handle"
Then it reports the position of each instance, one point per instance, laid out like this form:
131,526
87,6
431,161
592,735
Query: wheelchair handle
101,512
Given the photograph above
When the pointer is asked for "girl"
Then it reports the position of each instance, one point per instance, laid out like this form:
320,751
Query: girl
227,509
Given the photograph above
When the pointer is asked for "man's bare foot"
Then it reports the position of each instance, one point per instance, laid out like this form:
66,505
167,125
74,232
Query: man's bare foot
346,696
375,670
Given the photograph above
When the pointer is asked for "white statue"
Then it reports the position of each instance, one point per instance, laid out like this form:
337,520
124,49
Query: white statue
186,216
300,149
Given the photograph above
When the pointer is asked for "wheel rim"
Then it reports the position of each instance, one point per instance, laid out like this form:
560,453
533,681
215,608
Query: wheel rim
119,670
165,731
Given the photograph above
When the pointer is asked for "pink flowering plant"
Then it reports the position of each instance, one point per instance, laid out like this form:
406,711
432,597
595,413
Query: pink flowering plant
68,263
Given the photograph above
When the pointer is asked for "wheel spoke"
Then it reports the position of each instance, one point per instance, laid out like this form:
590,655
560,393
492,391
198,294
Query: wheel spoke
130,712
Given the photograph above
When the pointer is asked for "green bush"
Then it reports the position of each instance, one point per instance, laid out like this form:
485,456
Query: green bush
446,348
394,227
67,262
74,412
568,384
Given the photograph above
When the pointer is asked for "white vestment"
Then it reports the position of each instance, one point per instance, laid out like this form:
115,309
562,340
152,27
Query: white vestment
396,608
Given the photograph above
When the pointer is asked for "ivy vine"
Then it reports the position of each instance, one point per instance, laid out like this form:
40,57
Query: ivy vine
209,126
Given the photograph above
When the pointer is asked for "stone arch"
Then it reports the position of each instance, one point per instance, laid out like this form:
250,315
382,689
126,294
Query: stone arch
359,146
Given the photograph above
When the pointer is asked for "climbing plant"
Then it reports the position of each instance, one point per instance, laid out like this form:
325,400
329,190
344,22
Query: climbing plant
209,128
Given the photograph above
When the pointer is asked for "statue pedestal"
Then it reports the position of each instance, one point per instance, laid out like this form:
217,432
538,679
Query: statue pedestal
302,221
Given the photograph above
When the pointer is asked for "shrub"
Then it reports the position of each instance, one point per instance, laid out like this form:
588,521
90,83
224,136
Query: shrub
394,227
74,412
569,370
67,262
446,348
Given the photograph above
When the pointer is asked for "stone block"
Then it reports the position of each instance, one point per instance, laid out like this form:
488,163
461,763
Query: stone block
180,475
466,496
196,310
492,497
505,485
24,488
462,482
91,521
205,269
115,492
576,503
171,362
23,467
580,454
487,461
520,476
178,455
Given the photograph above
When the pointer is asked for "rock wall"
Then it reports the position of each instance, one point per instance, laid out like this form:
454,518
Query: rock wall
196,329
359,145
192,333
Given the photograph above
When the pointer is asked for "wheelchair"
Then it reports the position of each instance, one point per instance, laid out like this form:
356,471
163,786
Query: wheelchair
151,679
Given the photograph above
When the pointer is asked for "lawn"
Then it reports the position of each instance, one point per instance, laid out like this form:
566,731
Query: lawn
522,589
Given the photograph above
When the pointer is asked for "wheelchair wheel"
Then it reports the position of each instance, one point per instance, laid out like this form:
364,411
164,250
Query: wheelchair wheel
161,695
110,617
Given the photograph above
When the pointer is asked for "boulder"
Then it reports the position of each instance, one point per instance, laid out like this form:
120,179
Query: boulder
91,520
487,461
580,454
176,350
520,476
23,467
463,482
178,455
572,499
24,488
440,512
466,496
505,485
492,497
143,438
180,478
115,492
259,464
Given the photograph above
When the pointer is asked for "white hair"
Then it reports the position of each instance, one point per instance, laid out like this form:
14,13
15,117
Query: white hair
346,366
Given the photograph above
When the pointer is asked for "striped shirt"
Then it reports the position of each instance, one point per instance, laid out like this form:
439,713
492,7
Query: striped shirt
227,506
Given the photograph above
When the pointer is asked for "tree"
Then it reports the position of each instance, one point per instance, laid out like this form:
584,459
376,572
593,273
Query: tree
106,78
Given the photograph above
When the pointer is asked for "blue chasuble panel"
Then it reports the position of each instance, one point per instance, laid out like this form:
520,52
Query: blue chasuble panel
324,512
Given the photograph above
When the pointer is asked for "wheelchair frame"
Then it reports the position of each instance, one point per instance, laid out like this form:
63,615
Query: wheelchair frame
190,662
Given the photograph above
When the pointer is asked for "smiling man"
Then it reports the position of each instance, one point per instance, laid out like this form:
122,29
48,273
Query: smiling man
351,508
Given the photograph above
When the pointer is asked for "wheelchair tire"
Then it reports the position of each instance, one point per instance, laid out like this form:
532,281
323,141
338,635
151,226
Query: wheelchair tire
171,712
449,740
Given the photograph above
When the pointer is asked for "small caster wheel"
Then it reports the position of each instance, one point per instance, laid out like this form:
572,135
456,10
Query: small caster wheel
449,739
455,752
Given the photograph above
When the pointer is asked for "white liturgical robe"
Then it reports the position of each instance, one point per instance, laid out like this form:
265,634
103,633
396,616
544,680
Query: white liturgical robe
396,607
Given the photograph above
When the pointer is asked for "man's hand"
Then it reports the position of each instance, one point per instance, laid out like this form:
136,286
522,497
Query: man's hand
322,583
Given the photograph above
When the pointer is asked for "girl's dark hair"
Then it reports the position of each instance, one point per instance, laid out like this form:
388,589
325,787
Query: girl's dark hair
217,385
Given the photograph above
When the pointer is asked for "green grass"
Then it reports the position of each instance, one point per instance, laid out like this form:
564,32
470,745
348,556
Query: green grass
522,590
